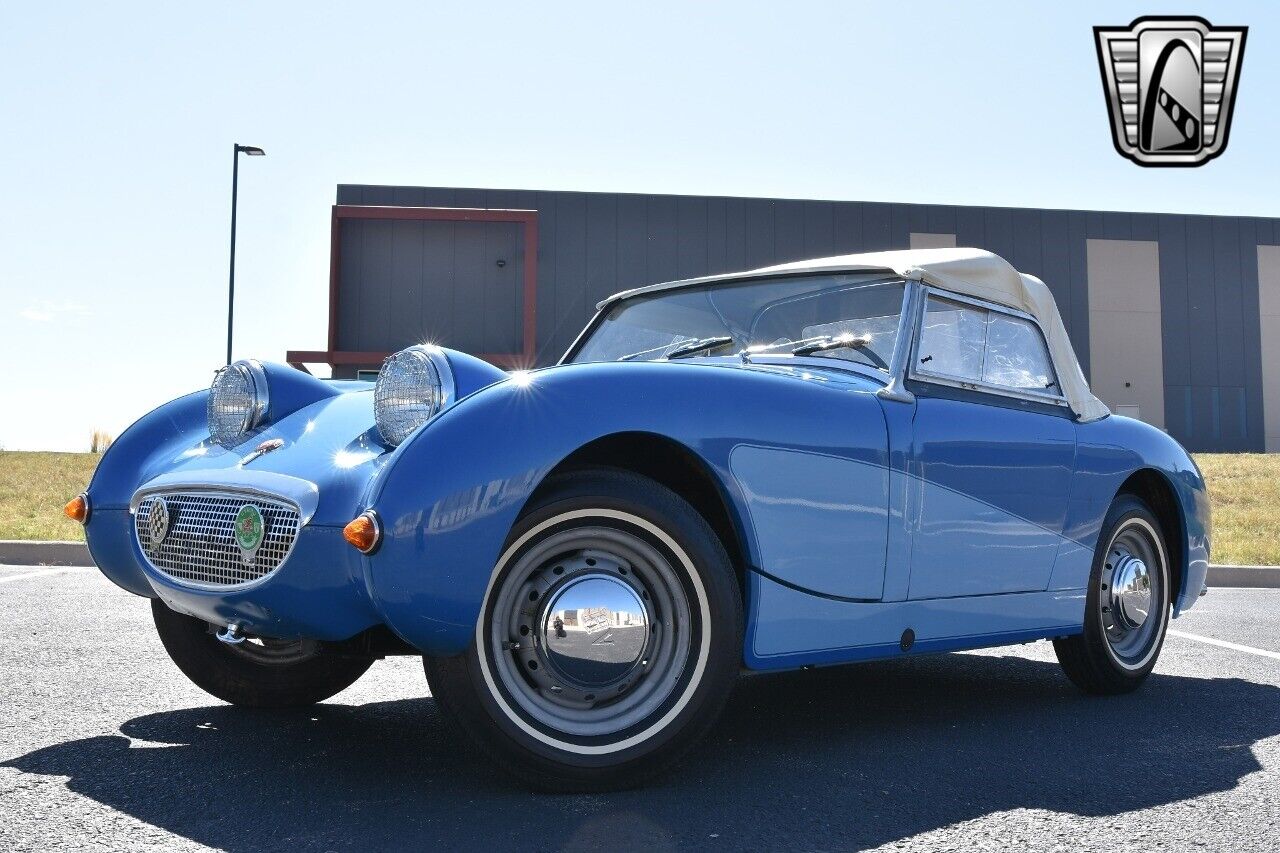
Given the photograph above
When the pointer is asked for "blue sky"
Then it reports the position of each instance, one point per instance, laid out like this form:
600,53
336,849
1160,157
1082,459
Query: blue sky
118,121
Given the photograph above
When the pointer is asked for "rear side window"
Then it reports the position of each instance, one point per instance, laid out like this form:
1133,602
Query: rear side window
1016,355
972,343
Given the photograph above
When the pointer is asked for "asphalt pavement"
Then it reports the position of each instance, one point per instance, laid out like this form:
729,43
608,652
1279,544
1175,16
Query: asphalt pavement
105,745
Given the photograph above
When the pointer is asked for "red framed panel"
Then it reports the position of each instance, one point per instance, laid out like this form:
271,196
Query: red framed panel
528,218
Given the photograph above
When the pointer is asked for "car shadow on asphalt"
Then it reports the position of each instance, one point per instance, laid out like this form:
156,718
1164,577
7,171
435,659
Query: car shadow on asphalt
836,758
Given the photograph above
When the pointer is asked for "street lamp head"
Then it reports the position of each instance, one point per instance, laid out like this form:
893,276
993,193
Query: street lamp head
251,150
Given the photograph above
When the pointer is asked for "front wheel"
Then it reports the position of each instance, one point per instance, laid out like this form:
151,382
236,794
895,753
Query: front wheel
259,673
608,641
1127,607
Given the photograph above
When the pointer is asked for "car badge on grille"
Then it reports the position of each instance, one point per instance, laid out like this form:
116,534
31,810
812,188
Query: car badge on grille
249,532
158,521
1171,85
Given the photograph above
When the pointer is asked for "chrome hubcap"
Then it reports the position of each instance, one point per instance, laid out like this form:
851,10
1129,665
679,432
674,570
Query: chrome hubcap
1130,591
1134,594
594,632
590,631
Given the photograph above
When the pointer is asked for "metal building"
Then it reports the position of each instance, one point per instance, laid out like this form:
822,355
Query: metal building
1175,318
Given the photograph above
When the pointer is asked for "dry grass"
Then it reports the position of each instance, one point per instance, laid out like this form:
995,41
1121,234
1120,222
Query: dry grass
1244,491
33,489
1244,488
99,441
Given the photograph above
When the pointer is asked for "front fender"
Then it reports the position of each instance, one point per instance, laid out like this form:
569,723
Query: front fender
450,495
173,440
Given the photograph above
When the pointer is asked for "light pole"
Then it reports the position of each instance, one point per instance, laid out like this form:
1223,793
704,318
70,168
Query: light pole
251,151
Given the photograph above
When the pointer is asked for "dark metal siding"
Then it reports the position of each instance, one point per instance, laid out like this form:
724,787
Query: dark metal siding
595,244
404,282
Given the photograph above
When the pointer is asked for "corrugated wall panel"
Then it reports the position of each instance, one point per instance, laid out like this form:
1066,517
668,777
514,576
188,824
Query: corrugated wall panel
602,249
717,236
788,231
548,220
819,229
875,227
1202,344
847,226
571,309
1078,309
691,237
759,228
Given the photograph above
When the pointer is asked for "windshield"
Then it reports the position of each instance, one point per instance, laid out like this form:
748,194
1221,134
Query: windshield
851,316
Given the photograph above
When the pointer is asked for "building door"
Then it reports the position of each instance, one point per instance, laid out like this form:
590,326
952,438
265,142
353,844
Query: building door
1126,357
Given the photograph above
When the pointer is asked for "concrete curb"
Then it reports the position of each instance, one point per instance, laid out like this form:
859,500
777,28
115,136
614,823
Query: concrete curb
1258,577
17,553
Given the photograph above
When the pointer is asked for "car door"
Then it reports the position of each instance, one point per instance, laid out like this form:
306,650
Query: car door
992,452
818,495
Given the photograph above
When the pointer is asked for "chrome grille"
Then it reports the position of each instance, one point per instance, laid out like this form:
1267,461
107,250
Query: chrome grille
198,544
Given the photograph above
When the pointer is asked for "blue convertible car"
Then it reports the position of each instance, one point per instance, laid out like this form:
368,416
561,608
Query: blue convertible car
823,462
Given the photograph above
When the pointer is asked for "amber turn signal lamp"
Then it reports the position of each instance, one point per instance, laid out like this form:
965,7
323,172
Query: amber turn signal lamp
77,509
363,532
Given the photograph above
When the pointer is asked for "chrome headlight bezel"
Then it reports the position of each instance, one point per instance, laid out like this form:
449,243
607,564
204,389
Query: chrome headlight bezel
413,386
228,425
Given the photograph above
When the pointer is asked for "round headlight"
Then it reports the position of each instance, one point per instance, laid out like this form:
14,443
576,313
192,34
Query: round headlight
414,386
237,402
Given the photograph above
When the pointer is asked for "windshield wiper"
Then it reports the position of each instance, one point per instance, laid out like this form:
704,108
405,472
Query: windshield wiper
830,342
694,347
687,347
822,343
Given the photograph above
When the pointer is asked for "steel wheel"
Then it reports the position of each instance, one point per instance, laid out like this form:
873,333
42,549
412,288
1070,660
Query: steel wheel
1134,593
1127,605
590,631
608,639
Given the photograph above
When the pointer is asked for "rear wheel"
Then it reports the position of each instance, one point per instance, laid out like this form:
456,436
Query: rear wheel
260,673
609,638
1127,607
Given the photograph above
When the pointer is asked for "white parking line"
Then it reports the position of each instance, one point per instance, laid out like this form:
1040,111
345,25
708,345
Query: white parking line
46,573
1235,647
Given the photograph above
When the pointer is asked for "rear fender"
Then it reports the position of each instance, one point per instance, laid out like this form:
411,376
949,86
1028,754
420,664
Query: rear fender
1108,453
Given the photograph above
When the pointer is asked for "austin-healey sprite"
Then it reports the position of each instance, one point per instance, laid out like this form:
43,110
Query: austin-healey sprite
824,462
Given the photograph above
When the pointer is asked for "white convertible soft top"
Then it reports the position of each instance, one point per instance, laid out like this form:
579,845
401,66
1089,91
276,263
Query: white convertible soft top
972,272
